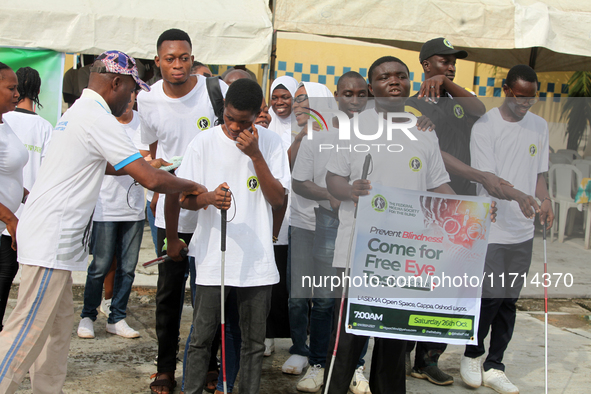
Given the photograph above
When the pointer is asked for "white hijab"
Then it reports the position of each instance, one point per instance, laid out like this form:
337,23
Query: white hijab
282,126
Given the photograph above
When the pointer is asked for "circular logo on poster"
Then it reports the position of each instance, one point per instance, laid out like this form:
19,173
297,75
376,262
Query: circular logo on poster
203,123
252,183
458,111
447,43
533,150
379,203
415,164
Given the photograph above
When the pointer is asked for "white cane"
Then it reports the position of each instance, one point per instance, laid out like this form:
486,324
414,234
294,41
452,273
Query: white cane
223,212
545,314
347,270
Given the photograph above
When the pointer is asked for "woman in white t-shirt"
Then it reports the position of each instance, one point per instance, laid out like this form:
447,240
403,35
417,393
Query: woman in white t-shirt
281,103
13,157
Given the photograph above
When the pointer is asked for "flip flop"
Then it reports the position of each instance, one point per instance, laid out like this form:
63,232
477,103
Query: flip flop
212,377
167,382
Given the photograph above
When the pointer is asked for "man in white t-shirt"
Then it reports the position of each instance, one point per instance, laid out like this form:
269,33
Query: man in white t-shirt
53,231
512,143
251,163
390,84
175,110
117,229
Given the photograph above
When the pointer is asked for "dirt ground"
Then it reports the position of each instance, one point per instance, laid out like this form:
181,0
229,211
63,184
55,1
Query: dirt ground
110,364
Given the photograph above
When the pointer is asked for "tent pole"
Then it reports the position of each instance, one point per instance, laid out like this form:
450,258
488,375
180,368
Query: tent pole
265,79
532,57
270,66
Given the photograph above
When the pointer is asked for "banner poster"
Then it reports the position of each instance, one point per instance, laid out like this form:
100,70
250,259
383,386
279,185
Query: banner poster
417,266
50,65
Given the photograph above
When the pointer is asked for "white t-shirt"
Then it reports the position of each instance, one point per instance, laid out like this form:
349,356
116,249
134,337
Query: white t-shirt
56,223
13,157
211,159
311,162
120,198
516,152
174,122
35,133
282,127
418,166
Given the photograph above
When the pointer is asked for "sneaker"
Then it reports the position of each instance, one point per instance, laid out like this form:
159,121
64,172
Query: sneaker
471,371
86,328
105,307
407,365
497,380
433,374
295,364
122,329
359,383
269,346
312,380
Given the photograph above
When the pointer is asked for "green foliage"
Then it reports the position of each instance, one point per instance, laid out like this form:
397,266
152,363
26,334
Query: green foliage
577,110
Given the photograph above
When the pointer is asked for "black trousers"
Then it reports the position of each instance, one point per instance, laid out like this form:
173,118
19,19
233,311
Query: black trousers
8,270
499,296
278,320
387,374
169,291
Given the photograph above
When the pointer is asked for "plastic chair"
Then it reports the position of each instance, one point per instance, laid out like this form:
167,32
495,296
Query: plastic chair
557,158
569,152
562,177
584,166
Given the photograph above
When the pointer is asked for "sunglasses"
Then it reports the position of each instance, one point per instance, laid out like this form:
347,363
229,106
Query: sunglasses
525,100
301,98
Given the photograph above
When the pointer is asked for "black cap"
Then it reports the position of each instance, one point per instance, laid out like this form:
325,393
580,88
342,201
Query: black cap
440,46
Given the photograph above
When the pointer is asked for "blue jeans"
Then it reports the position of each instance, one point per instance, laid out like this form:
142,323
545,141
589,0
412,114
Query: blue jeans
306,261
112,239
153,228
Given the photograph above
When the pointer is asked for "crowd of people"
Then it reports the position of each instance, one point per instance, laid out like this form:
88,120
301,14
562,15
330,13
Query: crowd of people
291,207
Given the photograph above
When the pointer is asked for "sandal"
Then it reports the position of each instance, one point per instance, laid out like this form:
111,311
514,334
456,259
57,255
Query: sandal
162,379
211,381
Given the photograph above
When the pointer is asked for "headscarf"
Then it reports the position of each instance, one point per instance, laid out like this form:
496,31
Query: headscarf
320,97
282,126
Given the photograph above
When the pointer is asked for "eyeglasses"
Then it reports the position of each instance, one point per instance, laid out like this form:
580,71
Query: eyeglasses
301,98
525,100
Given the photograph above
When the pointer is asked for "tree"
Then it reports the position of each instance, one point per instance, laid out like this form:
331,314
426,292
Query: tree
576,109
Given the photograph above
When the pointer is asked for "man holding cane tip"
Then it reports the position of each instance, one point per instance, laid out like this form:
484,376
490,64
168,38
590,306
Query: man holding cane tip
56,223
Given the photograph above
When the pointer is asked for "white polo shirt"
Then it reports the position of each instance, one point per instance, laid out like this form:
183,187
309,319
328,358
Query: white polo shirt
56,222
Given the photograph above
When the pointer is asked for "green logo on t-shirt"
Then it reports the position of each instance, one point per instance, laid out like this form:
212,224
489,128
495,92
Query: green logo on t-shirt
415,164
379,203
533,149
458,111
203,123
252,183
